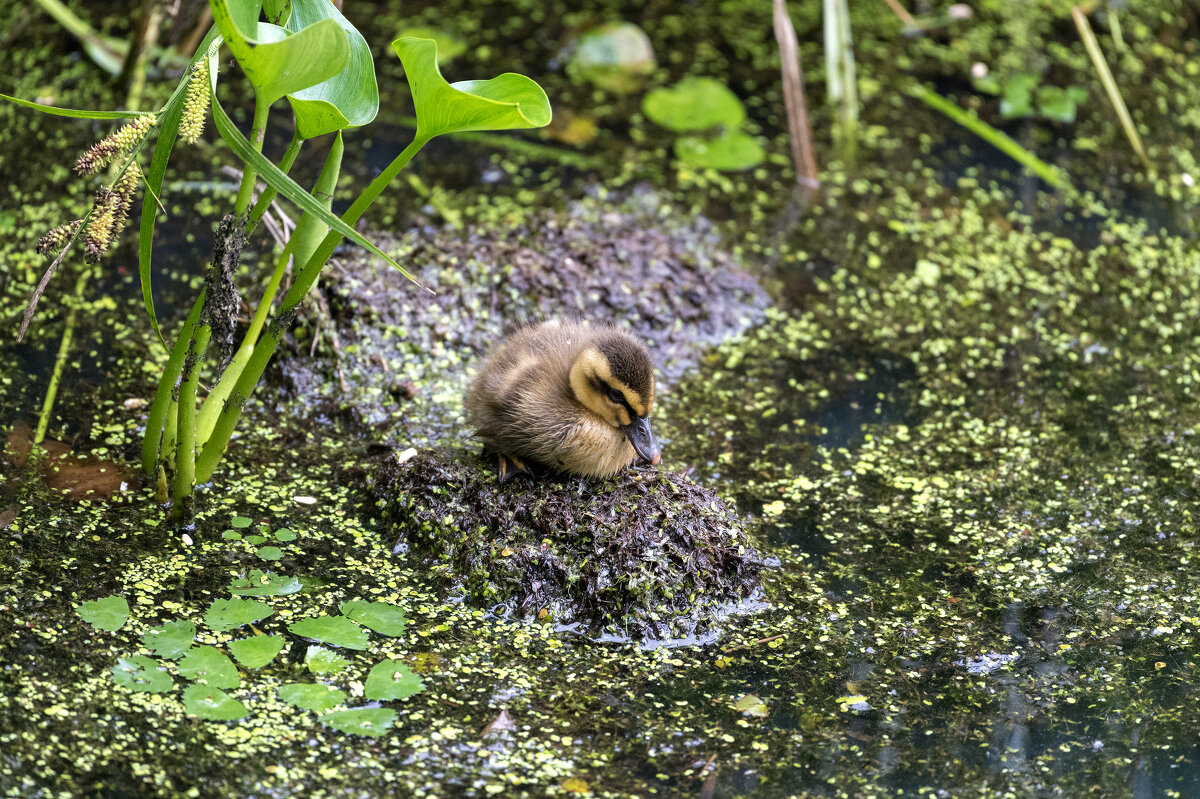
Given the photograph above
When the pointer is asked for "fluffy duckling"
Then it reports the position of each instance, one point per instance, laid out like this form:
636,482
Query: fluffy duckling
567,395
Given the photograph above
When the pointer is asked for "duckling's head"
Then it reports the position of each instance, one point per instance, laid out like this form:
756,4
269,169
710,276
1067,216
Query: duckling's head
614,379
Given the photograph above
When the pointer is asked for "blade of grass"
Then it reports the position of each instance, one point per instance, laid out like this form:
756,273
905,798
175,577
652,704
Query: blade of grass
1110,84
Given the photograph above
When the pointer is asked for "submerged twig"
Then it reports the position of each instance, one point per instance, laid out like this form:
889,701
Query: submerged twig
799,127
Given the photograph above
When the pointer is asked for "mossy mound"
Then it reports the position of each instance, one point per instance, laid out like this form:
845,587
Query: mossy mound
646,553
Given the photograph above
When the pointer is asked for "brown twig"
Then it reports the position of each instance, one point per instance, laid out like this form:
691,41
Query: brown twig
752,643
901,12
799,128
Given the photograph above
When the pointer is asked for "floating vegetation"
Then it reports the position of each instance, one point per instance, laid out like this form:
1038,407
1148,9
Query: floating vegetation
109,613
256,651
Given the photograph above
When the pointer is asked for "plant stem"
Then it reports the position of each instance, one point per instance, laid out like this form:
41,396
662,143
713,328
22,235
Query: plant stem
1110,85
185,439
60,361
268,196
152,441
257,135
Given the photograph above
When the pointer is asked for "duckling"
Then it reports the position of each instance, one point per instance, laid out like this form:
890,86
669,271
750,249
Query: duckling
573,397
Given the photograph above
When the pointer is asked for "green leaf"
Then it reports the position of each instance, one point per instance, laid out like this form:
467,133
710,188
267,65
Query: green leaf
259,583
226,614
506,102
1017,99
284,534
392,680
287,187
142,674
320,660
207,702
694,104
379,616
278,62
1060,104
334,630
615,56
256,651
348,99
360,720
73,112
170,640
108,614
449,46
311,696
270,553
255,539
241,522
209,665
731,152
231,535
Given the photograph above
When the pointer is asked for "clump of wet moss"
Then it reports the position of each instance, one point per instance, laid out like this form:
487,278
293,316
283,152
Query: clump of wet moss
645,552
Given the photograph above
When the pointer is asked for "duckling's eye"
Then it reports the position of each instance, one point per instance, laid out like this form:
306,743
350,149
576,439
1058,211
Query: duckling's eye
615,395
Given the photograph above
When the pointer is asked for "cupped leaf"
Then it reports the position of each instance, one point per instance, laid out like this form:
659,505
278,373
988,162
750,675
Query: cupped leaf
335,630
259,583
311,696
276,61
256,651
170,640
209,665
226,614
207,702
506,102
733,151
349,98
694,104
142,674
379,616
392,680
360,720
108,614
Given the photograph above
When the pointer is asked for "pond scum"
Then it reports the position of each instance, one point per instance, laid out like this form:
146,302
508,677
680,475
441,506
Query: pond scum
989,592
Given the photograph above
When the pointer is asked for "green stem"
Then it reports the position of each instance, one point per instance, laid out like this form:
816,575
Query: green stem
265,347
172,427
152,441
185,438
60,361
269,194
257,135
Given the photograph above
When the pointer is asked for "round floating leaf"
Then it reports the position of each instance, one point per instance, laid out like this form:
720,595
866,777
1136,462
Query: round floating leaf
207,702
335,630
231,535
270,553
259,583
379,616
241,522
209,665
311,696
170,640
256,651
694,104
392,680
109,613
255,539
320,660
731,152
226,614
751,705
349,98
506,102
142,674
360,720
615,56
284,534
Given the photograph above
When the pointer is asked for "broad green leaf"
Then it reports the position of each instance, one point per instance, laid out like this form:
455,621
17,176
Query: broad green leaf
379,616
255,539
226,614
170,640
360,720
284,534
241,522
392,680
259,583
276,62
335,630
142,674
208,665
349,98
73,112
270,553
311,696
506,102
694,104
108,614
449,46
207,702
320,660
256,651
277,11
733,151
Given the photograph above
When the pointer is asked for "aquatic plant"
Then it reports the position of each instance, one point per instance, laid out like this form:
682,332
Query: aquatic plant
310,55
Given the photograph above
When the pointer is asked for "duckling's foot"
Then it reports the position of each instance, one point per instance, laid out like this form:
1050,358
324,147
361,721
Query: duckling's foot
510,466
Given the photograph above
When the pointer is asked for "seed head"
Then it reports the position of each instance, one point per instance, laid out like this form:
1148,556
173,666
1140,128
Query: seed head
122,141
56,239
195,106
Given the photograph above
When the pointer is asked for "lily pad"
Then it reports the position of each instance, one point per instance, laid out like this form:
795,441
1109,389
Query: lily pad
379,616
311,696
392,680
320,660
142,674
241,522
731,152
108,614
207,702
334,630
270,553
256,651
209,665
694,104
260,583
226,614
231,535
361,720
284,534
751,705
170,640
255,539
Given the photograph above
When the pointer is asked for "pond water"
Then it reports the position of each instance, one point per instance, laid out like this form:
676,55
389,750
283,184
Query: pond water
967,431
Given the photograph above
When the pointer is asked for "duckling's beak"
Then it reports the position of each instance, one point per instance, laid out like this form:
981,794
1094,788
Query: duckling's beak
643,440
